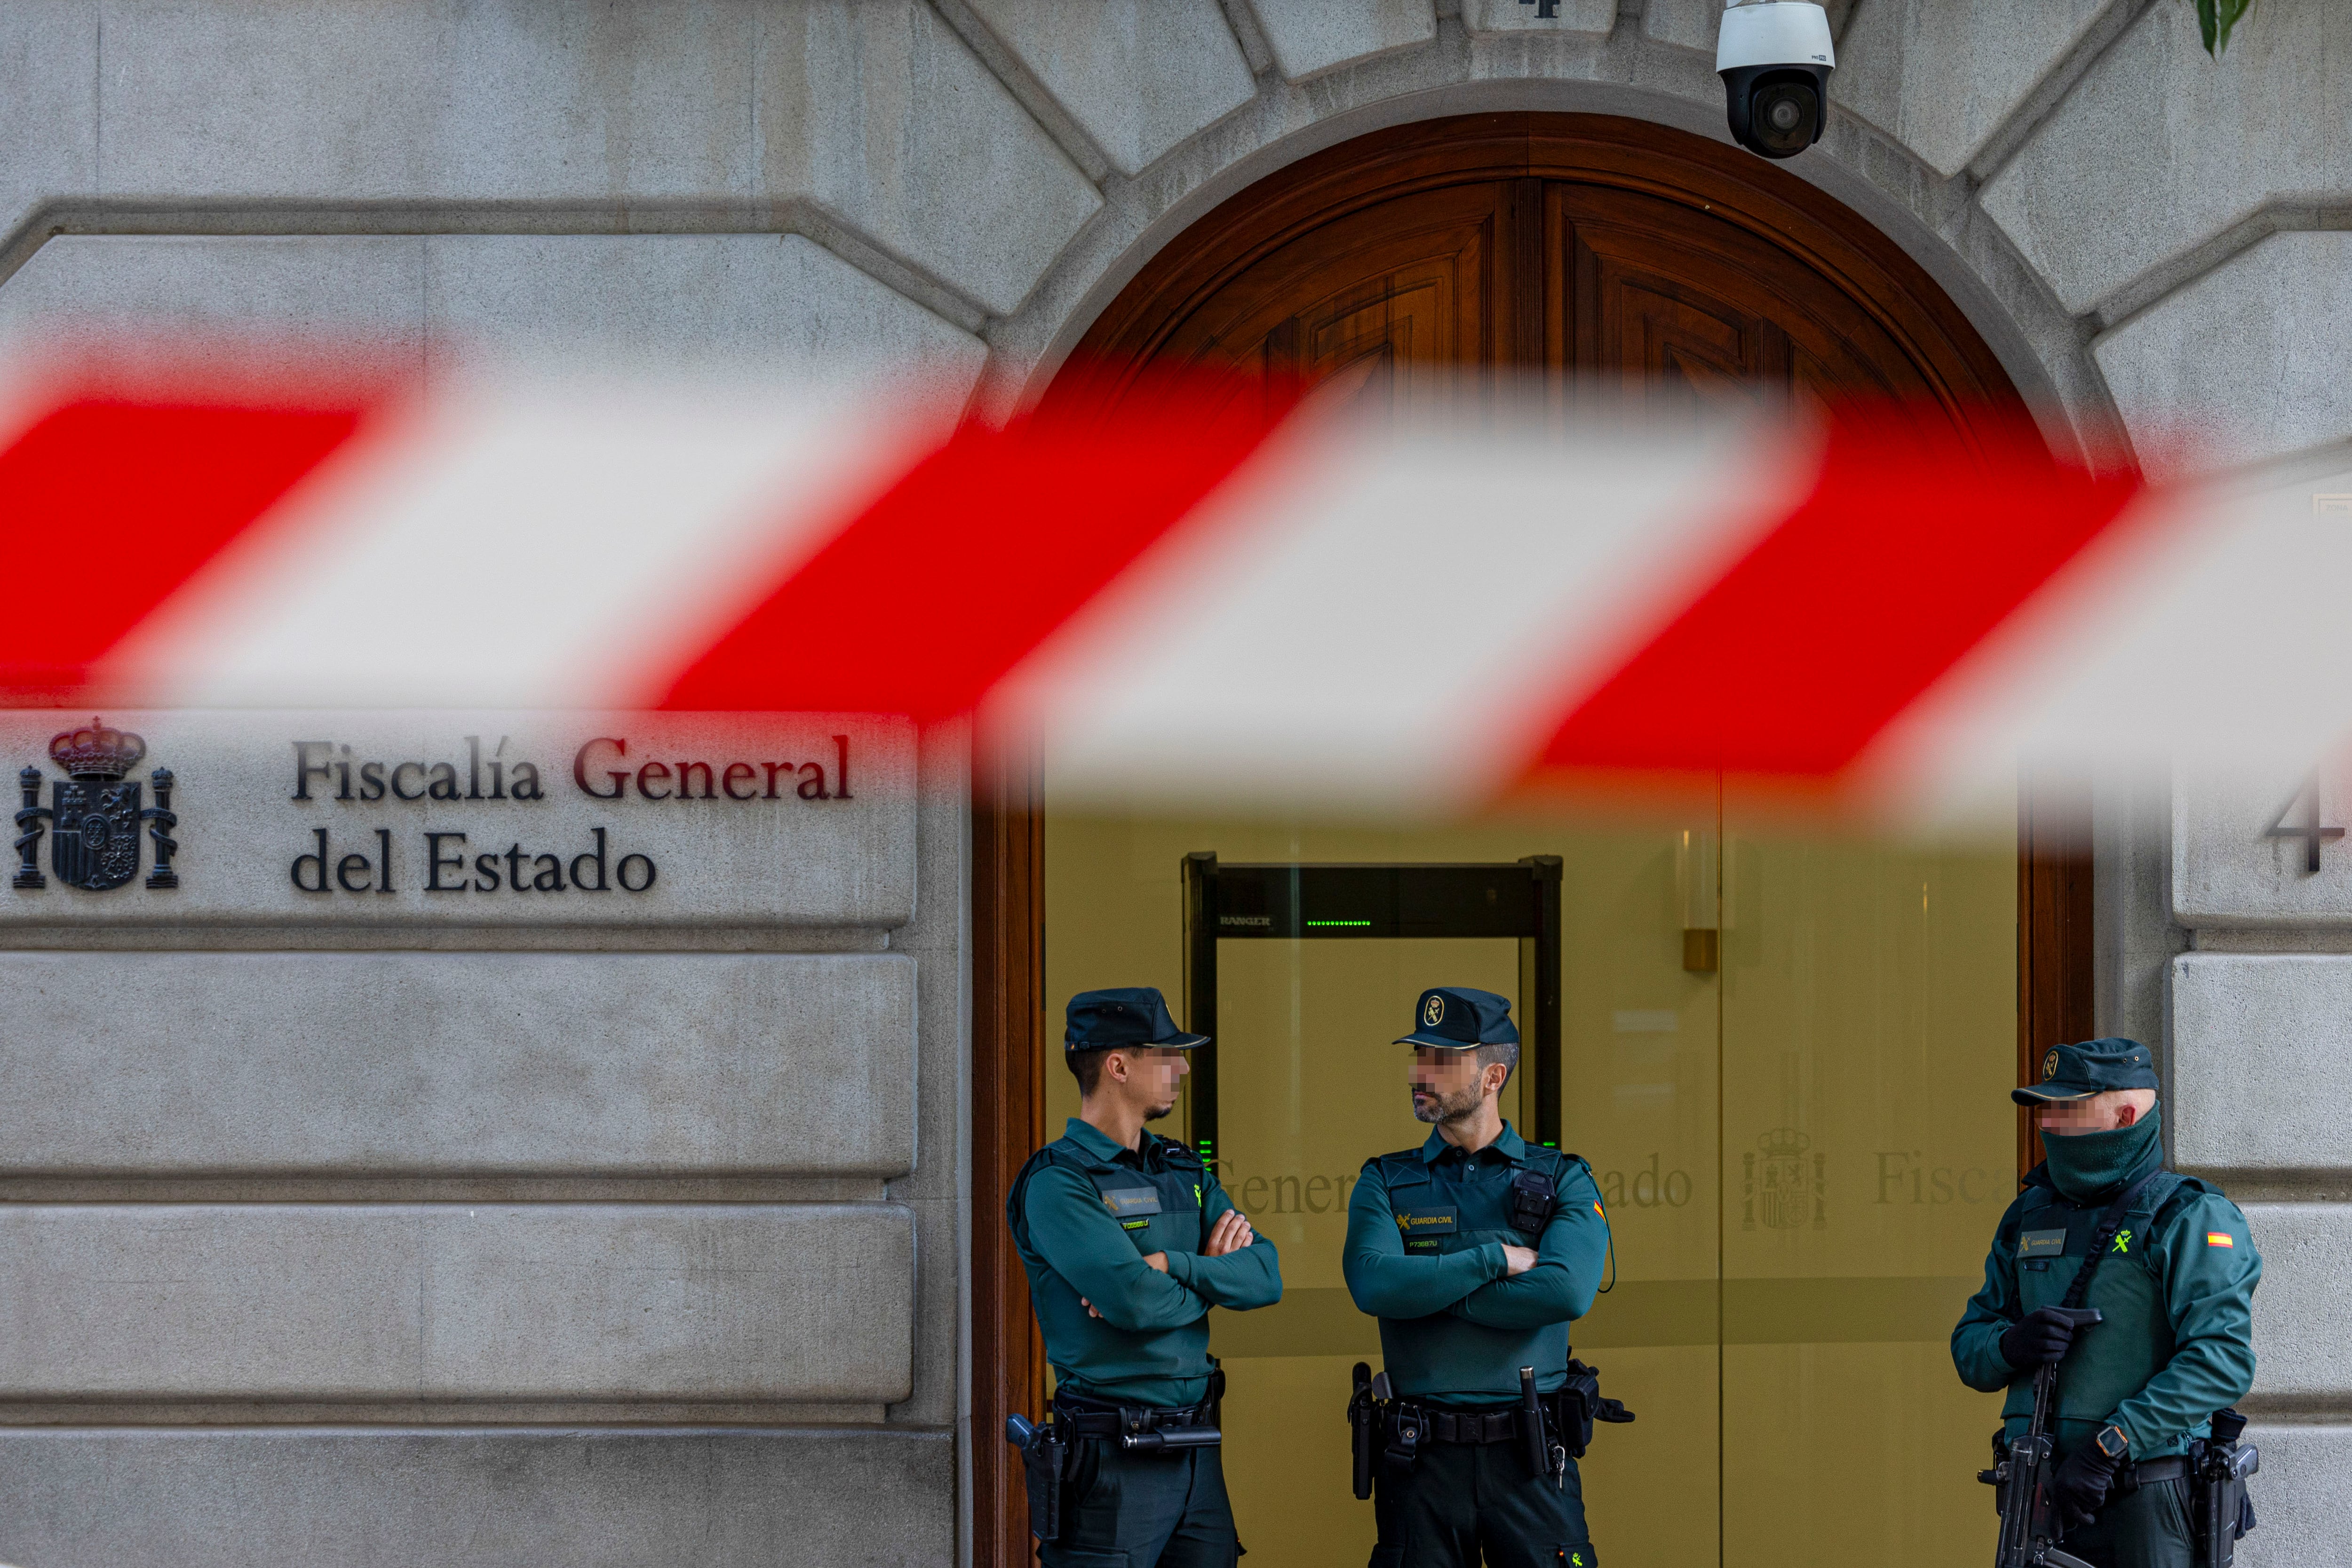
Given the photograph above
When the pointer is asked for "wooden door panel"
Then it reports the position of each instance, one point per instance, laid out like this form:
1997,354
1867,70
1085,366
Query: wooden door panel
1405,294
1667,301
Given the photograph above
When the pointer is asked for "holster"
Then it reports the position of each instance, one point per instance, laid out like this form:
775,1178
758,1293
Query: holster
1044,1473
2225,1512
1363,1430
1579,1405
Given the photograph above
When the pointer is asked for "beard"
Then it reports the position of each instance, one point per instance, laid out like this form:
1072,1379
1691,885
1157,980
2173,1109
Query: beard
1161,1114
1428,1105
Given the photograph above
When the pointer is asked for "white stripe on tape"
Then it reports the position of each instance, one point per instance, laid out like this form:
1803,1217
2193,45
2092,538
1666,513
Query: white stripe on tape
521,551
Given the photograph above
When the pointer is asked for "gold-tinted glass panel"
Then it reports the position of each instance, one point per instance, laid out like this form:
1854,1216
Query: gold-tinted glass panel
1786,1062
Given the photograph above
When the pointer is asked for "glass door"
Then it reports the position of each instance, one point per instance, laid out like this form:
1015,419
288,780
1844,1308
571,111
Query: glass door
1869,1027
1785,1058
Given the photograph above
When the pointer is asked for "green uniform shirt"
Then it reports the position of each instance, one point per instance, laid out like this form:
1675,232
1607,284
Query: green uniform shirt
1426,1230
2177,1288
1084,1213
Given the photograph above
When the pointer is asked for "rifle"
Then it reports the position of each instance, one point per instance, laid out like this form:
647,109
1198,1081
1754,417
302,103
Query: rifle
2222,1465
2029,1521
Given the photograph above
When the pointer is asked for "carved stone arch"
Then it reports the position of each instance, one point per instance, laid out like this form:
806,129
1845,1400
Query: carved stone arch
1549,243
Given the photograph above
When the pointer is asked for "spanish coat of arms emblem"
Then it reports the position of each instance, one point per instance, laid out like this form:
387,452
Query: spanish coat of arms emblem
95,812
1786,1189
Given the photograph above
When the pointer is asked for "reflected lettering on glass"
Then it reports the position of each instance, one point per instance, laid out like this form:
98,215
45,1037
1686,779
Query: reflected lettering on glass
1906,1178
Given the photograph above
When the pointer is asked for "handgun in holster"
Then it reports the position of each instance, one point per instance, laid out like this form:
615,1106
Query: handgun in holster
1044,1469
2224,1511
1363,1428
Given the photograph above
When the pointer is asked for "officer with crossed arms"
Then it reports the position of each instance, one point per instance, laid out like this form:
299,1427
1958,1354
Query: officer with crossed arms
1475,1251
1129,1240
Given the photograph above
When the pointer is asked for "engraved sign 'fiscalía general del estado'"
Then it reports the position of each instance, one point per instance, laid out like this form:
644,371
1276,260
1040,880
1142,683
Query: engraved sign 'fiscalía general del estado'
465,818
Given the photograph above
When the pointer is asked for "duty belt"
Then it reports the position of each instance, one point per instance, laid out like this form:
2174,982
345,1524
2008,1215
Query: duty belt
1468,1425
2148,1472
1092,1420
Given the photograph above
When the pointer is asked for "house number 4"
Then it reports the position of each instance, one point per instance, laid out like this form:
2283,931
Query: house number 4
2307,829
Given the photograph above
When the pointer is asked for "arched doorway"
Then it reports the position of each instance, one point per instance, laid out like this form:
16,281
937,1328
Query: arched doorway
1576,249
1548,243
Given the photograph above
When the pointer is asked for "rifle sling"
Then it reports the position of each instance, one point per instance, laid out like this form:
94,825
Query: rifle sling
2109,1223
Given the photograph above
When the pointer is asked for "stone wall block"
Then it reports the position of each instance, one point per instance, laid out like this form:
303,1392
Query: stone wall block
2159,147
381,1064
359,1498
1942,76
80,290
805,1302
2303,1495
2235,862
765,305
2300,1347
1690,24
880,113
1310,37
1139,75
429,99
2222,371
2260,1073
48,80
875,112
1592,17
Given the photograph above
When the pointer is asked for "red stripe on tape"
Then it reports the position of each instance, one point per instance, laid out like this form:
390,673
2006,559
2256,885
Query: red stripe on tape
1910,550
972,560
114,504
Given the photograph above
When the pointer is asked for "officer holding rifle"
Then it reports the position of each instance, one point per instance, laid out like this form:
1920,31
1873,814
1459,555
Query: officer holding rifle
2121,1294
1128,1242
1475,1251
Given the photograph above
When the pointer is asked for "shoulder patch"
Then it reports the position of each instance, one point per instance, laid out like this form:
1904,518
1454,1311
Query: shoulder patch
2219,1238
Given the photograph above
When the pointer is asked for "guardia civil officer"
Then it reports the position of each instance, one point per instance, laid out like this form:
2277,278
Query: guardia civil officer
1128,1241
1475,1251
2174,1283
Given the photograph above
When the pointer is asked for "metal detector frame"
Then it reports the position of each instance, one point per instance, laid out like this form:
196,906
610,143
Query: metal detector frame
1240,902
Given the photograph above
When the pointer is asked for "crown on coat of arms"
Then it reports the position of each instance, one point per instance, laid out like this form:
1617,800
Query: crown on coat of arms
1782,1141
97,752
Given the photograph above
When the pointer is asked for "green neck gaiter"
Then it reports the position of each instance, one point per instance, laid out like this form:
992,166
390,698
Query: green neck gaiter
2088,1165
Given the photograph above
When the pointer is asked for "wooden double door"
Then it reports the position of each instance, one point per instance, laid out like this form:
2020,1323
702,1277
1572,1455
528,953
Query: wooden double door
1584,250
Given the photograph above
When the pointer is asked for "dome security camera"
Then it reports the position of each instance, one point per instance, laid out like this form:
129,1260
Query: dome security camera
1774,58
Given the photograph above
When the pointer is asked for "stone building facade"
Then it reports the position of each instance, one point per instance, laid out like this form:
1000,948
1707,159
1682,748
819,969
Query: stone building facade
280,1294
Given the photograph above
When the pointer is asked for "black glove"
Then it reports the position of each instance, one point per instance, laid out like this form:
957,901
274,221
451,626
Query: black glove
2081,1485
2043,1336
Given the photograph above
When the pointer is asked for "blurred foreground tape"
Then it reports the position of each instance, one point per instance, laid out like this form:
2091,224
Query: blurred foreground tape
1198,598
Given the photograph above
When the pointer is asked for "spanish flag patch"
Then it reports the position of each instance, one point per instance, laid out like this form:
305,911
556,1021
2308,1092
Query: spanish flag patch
1596,1209
2219,1238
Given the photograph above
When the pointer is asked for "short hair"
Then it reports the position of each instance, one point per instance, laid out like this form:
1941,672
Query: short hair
1086,1067
1504,1051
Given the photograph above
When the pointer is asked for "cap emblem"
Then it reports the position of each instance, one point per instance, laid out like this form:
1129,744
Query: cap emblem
2049,1065
1433,1010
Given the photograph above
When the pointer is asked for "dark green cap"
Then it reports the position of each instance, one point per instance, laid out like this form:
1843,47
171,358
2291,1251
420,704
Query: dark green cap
2094,1067
1124,1016
1457,1018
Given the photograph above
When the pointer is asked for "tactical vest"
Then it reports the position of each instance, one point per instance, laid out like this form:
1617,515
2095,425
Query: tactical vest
2115,1358
1161,1210
1456,1206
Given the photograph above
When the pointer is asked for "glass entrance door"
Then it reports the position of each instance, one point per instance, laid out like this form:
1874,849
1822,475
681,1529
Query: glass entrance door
1787,1071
